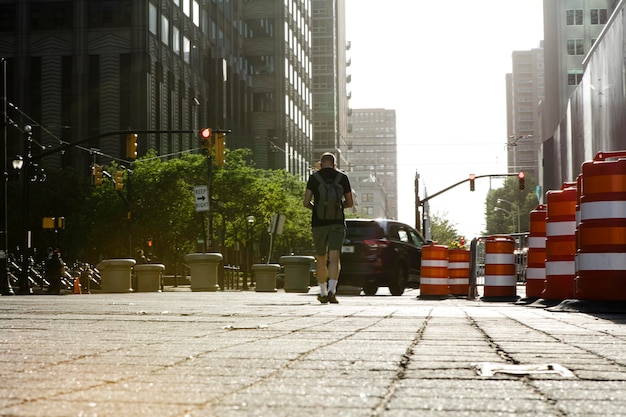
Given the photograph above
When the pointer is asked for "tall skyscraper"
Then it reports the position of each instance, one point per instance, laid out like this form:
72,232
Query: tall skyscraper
372,150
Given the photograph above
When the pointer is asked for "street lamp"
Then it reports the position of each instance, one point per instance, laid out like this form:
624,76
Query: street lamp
513,205
23,164
249,223
507,212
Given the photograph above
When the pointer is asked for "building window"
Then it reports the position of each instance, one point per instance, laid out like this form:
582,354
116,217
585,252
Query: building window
176,40
599,16
367,197
574,77
575,47
48,16
186,49
574,17
7,18
152,19
165,30
196,13
109,13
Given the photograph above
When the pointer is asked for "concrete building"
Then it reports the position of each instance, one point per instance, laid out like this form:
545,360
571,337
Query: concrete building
372,148
571,28
79,69
525,90
330,79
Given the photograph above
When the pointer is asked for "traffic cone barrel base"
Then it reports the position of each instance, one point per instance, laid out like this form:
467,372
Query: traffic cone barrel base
536,256
434,272
601,256
500,268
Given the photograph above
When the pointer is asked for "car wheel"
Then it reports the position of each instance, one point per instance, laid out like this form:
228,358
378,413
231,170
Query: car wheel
370,289
398,281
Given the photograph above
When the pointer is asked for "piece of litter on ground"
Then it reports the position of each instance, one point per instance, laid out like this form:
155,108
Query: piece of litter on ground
257,327
490,369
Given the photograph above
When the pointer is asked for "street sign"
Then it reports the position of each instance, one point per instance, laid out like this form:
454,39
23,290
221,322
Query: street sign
201,195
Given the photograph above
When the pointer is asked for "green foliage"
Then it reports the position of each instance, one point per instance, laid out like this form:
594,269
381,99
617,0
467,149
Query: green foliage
442,230
504,220
157,204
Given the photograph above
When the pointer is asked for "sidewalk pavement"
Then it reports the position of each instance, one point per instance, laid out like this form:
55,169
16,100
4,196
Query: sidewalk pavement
246,353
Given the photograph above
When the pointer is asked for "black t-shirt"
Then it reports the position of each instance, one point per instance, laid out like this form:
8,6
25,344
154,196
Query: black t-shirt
328,174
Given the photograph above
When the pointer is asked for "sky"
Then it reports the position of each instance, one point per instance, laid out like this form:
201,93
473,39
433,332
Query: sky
441,65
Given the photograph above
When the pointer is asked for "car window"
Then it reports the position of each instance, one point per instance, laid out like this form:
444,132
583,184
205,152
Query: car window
363,230
416,238
403,235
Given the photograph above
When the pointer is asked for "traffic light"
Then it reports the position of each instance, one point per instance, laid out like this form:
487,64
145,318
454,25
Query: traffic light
131,146
119,180
98,173
219,149
520,180
472,177
205,139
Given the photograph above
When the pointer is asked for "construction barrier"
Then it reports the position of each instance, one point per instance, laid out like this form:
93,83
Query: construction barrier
560,243
500,274
434,272
458,271
601,260
536,264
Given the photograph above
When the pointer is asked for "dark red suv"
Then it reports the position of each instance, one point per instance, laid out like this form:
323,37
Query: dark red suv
381,253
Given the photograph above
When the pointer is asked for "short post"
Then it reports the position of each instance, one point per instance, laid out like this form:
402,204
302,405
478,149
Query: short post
297,271
265,277
149,277
204,270
116,275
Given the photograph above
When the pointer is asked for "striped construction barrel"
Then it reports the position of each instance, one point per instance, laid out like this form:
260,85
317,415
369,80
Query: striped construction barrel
500,273
601,257
536,261
560,243
458,271
434,271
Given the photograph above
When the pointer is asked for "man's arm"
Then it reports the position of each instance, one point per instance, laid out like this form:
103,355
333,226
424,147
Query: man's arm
348,201
308,194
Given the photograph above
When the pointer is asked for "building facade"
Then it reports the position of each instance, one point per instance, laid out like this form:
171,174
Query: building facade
164,68
330,79
525,90
372,149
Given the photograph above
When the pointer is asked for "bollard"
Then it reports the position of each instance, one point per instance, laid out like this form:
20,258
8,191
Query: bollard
149,277
601,256
560,243
204,270
434,272
536,268
297,272
265,277
116,275
458,271
500,273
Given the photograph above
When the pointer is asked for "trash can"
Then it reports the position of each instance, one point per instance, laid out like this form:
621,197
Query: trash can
297,272
116,275
148,277
265,277
204,270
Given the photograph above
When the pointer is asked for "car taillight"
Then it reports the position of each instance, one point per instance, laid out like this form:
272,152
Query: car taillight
376,243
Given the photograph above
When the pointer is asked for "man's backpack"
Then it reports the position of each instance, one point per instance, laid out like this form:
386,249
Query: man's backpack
330,204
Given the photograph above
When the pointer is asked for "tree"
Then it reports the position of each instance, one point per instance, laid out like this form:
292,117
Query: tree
442,230
504,220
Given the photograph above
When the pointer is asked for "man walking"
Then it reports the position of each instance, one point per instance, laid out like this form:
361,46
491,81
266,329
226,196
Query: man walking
331,193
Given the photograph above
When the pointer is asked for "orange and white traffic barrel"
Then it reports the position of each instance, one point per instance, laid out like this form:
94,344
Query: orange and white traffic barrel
560,243
601,258
434,271
536,264
500,272
458,271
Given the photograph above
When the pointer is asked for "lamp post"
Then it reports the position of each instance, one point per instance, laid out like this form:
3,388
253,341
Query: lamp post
512,205
507,212
23,164
5,285
249,223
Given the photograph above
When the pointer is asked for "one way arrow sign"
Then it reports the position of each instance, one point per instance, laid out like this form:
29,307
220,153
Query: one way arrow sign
201,195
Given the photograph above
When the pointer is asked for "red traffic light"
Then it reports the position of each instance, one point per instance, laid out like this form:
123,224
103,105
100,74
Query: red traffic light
205,133
520,180
521,175
472,177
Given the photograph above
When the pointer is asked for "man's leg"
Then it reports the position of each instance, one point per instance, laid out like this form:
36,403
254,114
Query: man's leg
321,264
334,267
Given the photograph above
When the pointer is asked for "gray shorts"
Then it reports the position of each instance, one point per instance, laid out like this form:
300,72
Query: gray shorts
328,238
